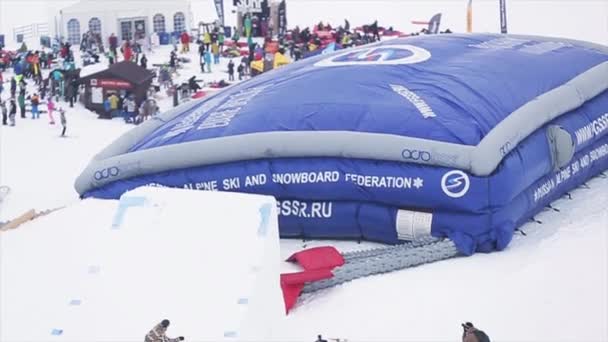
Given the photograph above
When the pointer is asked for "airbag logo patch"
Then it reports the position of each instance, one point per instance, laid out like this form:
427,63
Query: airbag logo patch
455,183
378,55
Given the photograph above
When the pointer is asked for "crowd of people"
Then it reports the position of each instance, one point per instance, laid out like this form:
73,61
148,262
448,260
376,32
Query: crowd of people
127,108
29,68
274,51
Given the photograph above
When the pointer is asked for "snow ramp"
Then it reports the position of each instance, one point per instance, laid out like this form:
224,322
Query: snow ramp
109,270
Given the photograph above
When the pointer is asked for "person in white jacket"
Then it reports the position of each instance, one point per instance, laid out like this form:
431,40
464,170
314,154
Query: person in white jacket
130,108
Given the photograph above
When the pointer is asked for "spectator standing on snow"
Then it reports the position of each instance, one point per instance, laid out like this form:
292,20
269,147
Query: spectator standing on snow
202,57
215,49
21,101
207,40
236,36
35,101
144,61
240,69
43,88
208,60
12,111
231,71
173,61
472,334
220,40
74,85
159,333
4,113
50,105
185,39
130,107
64,121
107,108
111,57
127,51
248,25
113,44
245,64
114,100
13,86
1,83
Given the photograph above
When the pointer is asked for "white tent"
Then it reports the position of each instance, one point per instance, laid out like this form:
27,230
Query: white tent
124,18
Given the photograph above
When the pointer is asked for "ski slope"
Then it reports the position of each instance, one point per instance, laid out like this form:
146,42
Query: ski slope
550,285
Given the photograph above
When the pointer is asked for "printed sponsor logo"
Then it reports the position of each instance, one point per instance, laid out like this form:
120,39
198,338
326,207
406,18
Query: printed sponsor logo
304,209
106,173
455,183
414,99
378,55
594,129
114,84
505,149
416,155
446,159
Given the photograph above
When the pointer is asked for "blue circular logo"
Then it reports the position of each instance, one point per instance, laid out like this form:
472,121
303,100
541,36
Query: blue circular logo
378,55
455,183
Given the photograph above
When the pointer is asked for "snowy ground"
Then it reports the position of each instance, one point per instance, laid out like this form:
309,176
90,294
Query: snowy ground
550,285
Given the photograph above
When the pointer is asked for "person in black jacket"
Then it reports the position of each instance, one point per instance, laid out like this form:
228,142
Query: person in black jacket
13,87
374,29
241,70
12,111
4,113
143,61
320,339
231,71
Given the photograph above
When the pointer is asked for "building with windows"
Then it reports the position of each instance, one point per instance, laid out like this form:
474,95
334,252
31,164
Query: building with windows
126,19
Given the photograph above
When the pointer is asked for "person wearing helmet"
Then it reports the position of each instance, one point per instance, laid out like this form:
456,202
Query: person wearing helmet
159,333
472,334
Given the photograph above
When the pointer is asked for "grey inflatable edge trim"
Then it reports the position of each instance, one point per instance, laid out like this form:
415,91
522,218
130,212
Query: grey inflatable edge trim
480,160
533,115
253,146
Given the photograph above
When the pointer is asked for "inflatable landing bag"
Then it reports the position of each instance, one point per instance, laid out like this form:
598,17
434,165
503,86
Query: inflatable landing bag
459,136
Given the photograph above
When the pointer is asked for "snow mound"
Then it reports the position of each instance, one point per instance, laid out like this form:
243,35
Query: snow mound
111,270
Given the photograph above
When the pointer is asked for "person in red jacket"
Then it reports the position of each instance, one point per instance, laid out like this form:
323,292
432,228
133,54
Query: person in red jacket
185,39
127,52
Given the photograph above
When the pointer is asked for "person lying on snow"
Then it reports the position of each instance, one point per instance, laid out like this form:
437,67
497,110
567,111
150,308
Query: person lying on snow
472,334
158,333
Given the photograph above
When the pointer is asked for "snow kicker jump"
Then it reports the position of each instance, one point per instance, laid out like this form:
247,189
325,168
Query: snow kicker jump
458,136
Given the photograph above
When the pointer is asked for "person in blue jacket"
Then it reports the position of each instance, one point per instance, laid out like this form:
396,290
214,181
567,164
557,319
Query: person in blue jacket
208,60
107,107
